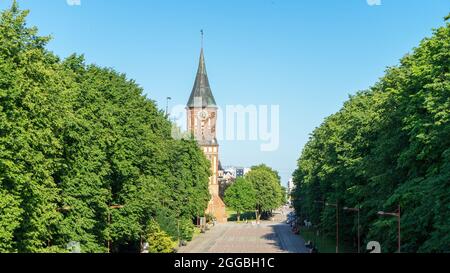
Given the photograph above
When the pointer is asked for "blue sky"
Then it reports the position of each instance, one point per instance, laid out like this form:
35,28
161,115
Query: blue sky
305,56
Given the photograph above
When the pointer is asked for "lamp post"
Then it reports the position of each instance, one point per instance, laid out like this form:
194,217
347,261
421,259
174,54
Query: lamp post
359,234
337,219
178,231
398,215
167,106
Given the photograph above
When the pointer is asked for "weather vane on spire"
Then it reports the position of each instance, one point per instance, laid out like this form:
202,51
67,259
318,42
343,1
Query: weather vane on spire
202,33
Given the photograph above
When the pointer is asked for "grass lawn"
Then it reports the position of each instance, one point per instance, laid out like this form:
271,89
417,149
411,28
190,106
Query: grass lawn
325,244
232,215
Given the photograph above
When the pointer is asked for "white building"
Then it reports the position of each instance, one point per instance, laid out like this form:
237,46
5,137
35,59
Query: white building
291,187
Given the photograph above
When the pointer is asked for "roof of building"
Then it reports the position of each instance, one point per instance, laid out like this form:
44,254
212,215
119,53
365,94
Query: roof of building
201,95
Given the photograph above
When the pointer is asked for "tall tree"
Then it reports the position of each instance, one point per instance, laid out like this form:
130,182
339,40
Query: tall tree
268,190
240,196
388,146
32,94
85,156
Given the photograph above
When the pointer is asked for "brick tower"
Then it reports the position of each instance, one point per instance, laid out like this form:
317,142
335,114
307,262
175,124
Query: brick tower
201,122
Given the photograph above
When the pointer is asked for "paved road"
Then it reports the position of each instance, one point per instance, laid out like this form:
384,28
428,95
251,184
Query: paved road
268,237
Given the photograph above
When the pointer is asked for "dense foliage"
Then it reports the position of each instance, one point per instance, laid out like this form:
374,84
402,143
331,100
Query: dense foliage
159,240
388,146
240,196
84,155
267,185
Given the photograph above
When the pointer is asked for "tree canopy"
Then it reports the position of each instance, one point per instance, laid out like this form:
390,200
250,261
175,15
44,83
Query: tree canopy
240,196
388,146
85,156
267,185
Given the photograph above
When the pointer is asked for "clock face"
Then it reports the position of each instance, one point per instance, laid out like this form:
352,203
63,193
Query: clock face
203,115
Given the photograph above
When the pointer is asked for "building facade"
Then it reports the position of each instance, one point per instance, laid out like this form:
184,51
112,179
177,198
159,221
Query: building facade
290,189
241,172
201,123
228,175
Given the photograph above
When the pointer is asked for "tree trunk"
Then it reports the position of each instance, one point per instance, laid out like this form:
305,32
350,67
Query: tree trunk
238,217
258,216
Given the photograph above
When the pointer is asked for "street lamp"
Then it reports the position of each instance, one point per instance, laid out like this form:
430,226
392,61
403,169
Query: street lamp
359,234
178,231
337,220
398,215
167,106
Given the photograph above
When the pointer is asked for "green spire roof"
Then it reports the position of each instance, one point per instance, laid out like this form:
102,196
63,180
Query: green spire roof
201,95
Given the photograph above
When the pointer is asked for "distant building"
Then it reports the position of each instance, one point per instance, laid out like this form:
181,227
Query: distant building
291,185
230,170
290,188
236,171
241,172
228,175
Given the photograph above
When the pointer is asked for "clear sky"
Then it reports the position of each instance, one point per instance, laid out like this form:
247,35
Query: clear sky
306,56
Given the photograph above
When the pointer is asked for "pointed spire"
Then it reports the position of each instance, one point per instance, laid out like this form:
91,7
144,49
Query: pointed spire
201,31
201,95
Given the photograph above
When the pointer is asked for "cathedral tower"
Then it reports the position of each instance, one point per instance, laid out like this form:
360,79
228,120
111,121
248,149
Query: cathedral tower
201,123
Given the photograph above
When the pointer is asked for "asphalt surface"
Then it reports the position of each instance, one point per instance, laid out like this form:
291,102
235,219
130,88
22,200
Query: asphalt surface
267,237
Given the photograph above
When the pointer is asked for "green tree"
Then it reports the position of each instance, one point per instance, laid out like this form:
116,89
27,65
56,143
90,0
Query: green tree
32,110
387,146
241,197
267,186
85,156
